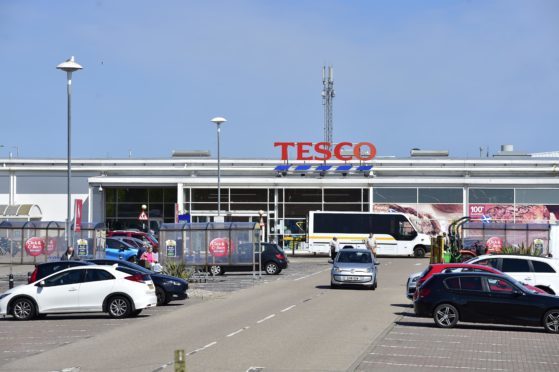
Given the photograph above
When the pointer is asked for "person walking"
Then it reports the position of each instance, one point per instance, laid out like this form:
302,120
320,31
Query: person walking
69,255
334,248
372,245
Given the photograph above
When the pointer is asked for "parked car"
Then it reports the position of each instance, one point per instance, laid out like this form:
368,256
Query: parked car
81,289
167,288
354,267
47,268
273,259
484,298
540,272
415,280
135,234
120,250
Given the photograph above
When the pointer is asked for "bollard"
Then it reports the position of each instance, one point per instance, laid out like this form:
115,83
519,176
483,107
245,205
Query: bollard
180,363
11,281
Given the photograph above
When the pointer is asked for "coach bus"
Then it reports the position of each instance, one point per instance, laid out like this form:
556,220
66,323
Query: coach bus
395,234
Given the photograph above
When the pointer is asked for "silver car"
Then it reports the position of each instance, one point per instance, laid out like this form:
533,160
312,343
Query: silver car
354,267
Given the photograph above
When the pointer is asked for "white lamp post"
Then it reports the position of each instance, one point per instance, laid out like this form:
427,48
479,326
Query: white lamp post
218,121
69,66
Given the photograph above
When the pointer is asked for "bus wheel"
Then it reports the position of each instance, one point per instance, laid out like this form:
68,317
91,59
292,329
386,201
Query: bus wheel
419,251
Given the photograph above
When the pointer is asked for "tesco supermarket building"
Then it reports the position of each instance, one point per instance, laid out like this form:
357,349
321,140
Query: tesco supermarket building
509,186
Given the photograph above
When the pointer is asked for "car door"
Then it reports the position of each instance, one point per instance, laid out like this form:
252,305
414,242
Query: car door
59,293
509,304
97,284
519,269
474,300
545,275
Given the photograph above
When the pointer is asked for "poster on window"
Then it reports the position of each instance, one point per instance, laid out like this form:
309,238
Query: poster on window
501,213
428,218
171,248
82,247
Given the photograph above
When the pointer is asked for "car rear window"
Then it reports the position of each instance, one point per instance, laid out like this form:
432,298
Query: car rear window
452,283
542,267
471,283
512,265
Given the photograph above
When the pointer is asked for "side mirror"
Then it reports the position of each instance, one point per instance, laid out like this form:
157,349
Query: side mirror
330,261
41,283
377,263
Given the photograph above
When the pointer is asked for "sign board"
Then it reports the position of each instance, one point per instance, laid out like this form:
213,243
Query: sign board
219,247
322,150
50,247
494,244
143,216
82,247
34,246
171,248
78,215
184,217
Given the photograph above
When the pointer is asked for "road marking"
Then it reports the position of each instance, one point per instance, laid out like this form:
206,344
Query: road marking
308,276
415,356
255,369
266,318
288,308
209,345
237,332
434,366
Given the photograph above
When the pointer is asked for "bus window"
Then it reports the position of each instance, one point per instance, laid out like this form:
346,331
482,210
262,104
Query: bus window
406,231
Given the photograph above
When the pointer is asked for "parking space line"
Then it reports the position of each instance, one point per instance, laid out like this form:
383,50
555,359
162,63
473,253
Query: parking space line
288,308
266,318
412,356
237,331
434,366
308,276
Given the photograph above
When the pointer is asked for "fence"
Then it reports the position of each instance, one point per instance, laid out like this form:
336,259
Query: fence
34,242
207,244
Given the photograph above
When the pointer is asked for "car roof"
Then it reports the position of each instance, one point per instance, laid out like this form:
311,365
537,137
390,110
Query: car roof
537,258
76,263
459,265
362,250
477,273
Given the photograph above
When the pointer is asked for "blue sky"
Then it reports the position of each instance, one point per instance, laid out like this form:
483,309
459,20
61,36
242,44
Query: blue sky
452,75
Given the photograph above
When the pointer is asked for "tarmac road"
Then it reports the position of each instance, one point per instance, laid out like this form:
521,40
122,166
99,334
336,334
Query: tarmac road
291,324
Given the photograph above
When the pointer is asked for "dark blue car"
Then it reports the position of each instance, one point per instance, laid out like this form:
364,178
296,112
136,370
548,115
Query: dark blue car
167,288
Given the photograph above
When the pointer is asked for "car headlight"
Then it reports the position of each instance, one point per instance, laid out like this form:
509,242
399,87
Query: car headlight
415,279
369,269
337,269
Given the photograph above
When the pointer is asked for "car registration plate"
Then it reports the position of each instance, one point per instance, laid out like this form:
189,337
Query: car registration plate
352,278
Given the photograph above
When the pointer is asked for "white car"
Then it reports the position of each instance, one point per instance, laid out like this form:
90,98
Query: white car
539,272
81,289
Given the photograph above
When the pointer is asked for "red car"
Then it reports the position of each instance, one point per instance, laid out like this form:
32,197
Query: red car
433,269
135,234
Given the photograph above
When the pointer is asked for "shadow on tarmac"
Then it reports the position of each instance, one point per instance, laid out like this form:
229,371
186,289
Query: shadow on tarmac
472,326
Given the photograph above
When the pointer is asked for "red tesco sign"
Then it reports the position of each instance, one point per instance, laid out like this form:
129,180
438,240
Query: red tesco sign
219,247
322,150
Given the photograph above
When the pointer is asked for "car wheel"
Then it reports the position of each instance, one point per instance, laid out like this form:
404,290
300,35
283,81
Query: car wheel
551,321
419,252
446,316
161,296
272,268
374,285
135,313
217,270
119,307
23,309
333,286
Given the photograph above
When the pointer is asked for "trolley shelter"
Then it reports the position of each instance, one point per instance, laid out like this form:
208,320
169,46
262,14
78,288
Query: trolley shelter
207,244
501,235
34,242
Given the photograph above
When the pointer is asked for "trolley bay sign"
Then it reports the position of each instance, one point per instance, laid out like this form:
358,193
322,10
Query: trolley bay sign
324,151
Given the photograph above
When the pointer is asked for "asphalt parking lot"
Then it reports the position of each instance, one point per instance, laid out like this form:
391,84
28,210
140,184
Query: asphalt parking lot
20,339
412,343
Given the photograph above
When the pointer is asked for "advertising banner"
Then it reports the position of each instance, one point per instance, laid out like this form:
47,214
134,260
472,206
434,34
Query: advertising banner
171,248
78,215
82,247
511,213
34,246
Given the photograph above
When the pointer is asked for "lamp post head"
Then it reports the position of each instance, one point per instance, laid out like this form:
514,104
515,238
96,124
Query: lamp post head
218,120
69,65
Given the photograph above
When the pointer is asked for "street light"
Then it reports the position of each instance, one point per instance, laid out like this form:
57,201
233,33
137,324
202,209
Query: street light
69,66
12,147
218,121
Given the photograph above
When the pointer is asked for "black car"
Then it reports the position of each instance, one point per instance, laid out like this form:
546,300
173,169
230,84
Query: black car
273,259
47,268
485,298
167,288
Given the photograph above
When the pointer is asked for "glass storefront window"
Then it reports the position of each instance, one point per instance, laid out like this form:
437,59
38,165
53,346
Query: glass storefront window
132,195
346,207
342,195
129,210
394,195
537,196
300,210
248,195
156,195
209,195
440,195
492,196
247,207
303,195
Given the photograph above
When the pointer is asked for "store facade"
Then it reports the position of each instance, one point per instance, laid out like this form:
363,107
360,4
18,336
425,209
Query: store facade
279,194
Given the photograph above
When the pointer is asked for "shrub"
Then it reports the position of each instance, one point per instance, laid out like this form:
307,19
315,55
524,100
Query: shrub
177,269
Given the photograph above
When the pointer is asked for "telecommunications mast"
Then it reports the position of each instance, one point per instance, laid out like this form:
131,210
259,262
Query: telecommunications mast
327,101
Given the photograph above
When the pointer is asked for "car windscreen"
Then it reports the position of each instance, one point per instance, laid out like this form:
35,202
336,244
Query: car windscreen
355,257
